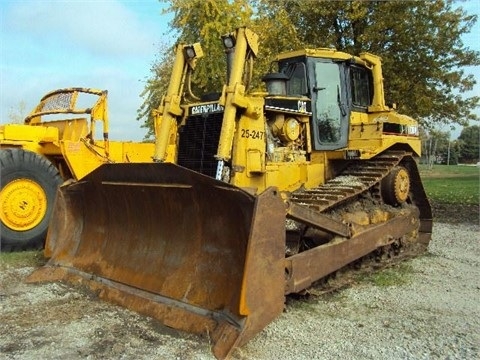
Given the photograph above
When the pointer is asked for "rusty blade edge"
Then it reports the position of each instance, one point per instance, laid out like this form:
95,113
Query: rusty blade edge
160,299
113,183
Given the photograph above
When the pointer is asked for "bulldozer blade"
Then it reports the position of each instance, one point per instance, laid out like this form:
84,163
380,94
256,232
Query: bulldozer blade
195,253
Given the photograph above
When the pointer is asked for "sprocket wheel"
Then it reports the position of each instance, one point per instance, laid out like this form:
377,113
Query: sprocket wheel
395,187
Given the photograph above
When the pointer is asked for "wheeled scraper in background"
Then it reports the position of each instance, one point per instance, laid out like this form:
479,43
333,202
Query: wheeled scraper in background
57,142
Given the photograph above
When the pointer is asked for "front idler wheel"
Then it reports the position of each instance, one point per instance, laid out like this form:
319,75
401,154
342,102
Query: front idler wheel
395,187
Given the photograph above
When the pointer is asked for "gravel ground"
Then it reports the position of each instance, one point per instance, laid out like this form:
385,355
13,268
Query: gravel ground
433,313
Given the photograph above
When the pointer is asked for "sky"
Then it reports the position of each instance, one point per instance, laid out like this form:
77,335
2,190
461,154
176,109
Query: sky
104,44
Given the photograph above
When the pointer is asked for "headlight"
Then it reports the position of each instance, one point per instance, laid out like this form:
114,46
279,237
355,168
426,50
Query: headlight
412,130
228,41
190,52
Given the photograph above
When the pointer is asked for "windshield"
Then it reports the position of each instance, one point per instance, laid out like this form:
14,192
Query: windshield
297,79
329,105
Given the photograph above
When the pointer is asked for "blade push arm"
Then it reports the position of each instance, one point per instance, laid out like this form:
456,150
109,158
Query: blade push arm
245,44
169,109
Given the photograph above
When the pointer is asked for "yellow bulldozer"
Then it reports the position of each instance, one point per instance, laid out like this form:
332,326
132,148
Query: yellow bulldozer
57,142
252,195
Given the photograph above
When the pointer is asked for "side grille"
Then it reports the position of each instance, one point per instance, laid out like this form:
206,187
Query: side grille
199,143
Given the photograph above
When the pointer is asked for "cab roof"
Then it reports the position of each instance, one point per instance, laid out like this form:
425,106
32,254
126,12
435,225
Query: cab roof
329,53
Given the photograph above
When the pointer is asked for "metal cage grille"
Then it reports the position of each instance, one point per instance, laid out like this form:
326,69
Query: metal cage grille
198,143
59,101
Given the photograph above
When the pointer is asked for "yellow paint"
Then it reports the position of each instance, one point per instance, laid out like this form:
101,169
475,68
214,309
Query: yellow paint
72,140
23,204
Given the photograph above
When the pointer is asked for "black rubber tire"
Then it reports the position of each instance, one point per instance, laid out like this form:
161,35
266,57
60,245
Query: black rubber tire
21,164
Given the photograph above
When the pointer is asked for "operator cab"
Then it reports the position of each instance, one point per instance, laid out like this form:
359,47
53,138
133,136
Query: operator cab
336,86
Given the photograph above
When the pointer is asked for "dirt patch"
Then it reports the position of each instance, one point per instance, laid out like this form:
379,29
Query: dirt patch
455,213
56,320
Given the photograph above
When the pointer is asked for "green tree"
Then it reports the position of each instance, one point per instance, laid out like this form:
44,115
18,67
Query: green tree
424,58
277,34
436,147
446,152
155,88
469,144
203,21
454,154
419,41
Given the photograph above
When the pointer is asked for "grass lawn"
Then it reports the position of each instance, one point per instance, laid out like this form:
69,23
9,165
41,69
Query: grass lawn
453,184
32,258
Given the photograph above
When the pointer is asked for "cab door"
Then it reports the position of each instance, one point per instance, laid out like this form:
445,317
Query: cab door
330,109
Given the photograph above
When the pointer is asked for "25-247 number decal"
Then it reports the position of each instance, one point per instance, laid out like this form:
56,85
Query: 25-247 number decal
252,134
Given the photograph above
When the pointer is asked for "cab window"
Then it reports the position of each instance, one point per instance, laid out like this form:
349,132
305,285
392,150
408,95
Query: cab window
361,87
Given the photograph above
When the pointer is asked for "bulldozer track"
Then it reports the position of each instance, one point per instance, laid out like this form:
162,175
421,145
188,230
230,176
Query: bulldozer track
388,257
315,207
384,258
361,176
358,177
